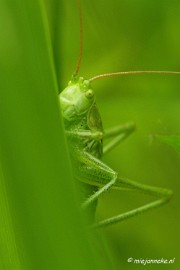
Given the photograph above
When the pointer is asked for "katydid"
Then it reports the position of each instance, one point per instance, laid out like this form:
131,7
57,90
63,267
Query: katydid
85,136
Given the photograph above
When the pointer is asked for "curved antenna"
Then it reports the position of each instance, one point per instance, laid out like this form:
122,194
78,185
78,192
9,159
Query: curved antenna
80,39
133,73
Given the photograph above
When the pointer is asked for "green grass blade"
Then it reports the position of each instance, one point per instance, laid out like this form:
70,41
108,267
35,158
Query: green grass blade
9,258
172,140
38,202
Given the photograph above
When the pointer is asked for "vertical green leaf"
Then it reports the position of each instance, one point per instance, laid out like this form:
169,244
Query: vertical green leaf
42,225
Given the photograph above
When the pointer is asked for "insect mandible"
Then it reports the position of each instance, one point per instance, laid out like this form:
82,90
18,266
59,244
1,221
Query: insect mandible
85,136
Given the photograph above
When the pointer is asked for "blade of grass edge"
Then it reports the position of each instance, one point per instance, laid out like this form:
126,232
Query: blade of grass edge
37,176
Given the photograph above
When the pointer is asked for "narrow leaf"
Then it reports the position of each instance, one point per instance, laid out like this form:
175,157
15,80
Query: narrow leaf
172,140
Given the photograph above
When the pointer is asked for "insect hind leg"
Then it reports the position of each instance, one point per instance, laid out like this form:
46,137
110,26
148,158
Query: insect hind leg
99,174
131,213
163,194
97,194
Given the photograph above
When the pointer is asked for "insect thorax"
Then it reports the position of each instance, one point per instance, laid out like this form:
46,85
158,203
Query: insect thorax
90,122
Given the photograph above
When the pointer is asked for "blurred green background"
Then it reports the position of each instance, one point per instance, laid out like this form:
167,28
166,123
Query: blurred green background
40,225
134,35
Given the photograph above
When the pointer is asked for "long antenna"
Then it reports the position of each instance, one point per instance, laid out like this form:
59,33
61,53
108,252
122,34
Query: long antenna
132,73
80,39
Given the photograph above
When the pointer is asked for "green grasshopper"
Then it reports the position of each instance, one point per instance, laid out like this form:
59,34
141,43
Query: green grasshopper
85,136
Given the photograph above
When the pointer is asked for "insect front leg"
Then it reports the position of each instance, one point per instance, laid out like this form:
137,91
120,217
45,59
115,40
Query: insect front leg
85,134
120,133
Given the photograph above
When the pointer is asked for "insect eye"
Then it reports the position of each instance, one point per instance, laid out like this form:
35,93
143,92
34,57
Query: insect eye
89,93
